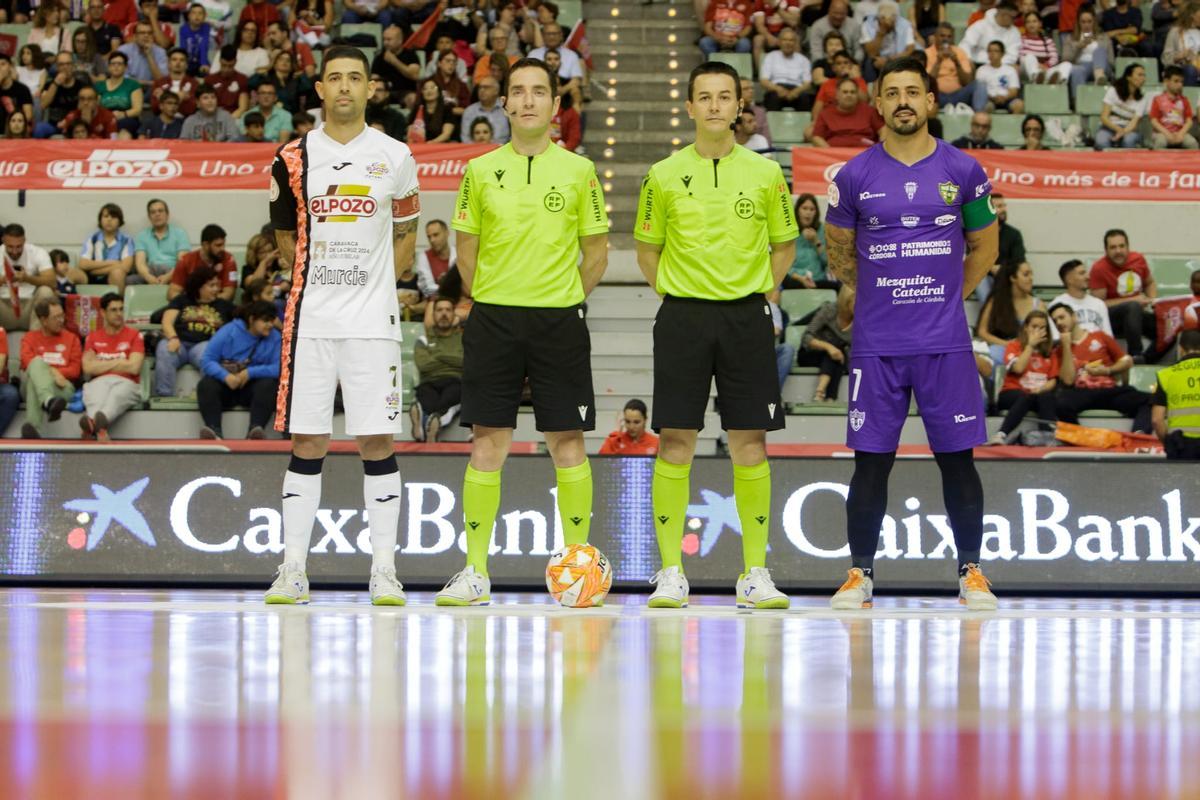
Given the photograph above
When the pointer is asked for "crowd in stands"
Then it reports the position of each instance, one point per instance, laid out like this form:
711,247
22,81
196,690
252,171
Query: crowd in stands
121,70
824,56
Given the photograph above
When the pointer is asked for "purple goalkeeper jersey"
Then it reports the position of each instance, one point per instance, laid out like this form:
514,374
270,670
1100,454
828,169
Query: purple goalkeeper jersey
909,224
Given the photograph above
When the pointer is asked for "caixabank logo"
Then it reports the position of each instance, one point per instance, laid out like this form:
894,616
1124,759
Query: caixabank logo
106,168
107,508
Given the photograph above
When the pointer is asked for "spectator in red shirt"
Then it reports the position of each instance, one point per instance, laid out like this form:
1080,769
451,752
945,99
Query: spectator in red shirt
1086,373
435,262
10,398
231,86
843,67
211,254
565,127
262,13
1031,377
51,360
277,40
1171,114
163,33
178,81
727,26
112,357
120,13
632,439
850,122
101,123
1123,281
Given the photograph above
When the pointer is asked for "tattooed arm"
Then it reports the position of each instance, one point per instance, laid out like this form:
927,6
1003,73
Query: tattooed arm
404,235
843,259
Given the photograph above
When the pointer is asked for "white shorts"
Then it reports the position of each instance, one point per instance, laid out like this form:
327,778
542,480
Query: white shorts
370,373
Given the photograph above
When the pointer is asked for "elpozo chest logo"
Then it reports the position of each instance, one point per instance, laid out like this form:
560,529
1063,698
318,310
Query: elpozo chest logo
345,203
107,168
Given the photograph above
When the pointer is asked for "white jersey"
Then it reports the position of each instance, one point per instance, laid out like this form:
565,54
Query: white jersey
341,200
1090,312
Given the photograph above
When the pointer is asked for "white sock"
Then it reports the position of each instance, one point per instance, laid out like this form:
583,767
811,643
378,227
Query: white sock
301,499
381,498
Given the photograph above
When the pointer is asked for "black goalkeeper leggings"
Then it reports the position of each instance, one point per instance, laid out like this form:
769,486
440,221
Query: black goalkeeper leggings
866,503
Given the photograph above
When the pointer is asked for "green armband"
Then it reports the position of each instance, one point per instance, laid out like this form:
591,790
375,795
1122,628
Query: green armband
978,214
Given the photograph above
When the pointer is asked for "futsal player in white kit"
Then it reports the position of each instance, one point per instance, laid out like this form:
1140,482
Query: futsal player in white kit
344,205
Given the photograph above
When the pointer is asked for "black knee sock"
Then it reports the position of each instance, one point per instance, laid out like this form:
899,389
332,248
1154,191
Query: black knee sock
866,504
962,491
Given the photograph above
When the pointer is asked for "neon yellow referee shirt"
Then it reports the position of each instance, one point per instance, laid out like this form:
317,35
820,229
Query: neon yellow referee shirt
714,219
529,213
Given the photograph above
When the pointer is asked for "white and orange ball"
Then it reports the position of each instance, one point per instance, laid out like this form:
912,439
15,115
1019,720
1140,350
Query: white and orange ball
579,576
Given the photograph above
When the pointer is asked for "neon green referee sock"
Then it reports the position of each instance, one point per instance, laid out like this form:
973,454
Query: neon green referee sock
752,493
670,491
575,502
481,501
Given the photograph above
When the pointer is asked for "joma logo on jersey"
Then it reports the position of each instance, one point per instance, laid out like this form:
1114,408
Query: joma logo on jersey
343,204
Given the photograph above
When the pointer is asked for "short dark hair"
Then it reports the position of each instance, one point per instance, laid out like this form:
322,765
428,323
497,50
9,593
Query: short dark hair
1006,6
345,51
1032,118
228,53
532,63
715,68
59,256
636,405
167,94
154,200
113,210
14,229
1172,71
114,55
258,309
998,43
108,299
441,298
997,196
1190,340
833,35
906,64
41,309
1050,311
442,222
482,121
841,54
205,88
175,50
197,278
211,233
1111,232
302,118
1067,266
254,118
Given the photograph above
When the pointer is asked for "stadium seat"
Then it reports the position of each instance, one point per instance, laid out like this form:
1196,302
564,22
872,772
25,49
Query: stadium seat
141,301
369,52
799,303
1006,129
957,14
374,29
742,62
1143,377
1150,64
954,125
1047,99
787,127
569,12
20,31
1173,275
93,290
1089,99
1192,93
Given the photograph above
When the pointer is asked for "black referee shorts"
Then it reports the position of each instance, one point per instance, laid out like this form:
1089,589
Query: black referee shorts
695,340
504,345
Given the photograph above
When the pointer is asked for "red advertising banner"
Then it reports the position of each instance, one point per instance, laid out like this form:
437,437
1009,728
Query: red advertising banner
1159,175
170,164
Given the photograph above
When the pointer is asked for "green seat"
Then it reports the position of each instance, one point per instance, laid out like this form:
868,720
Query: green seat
1144,377
799,303
1089,99
94,290
1150,65
21,32
742,62
1173,274
955,126
142,300
957,14
1048,98
410,332
569,12
787,127
1192,93
1006,129
794,335
369,52
373,29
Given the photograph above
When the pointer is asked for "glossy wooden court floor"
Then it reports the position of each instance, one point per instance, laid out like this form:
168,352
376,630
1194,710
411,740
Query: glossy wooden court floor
123,694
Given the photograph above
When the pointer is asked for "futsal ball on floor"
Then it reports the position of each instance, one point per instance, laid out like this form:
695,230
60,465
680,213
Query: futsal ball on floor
579,576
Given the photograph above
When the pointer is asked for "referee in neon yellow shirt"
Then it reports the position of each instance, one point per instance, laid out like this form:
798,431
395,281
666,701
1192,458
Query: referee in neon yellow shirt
525,213
715,234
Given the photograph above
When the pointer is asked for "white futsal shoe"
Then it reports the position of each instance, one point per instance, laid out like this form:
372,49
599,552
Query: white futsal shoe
755,589
974,590
386,589
672,591
467,588
290,586
855,593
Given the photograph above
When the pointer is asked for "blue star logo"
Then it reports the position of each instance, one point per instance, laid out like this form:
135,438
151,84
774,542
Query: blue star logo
108,506
718,512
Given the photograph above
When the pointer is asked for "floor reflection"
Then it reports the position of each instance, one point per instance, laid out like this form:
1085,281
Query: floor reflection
141,694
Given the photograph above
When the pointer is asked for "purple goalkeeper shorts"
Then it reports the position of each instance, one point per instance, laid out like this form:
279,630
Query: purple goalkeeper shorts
947,391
